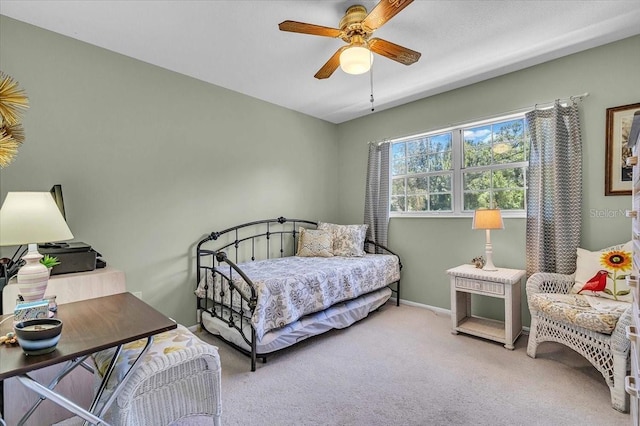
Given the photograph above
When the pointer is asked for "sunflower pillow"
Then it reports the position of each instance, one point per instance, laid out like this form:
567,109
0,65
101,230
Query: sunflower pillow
615,261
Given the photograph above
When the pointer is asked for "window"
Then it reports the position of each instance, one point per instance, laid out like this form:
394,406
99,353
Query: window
457,170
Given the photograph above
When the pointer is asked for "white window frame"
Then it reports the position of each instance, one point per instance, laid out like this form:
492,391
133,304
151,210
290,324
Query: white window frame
457,171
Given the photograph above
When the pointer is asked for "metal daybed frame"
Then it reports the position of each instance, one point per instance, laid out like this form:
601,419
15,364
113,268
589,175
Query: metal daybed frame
262,239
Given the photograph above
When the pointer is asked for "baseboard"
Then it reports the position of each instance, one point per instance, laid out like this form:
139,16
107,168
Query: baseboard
438,310
525,330
435,309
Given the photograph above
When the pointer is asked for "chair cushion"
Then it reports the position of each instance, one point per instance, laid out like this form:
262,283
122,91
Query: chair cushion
575,309
163,344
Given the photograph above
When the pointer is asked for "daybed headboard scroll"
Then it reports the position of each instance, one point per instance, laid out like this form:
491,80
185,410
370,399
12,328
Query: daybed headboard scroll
261,239
254,232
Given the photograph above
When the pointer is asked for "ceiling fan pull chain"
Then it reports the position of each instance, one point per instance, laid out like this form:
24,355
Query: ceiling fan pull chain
371,82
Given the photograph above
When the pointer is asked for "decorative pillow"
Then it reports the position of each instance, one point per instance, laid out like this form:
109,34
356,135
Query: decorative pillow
315,243
348,240
616,261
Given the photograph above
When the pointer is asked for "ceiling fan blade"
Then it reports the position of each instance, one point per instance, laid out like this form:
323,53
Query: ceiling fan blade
330,66
393,51
301,27
384,11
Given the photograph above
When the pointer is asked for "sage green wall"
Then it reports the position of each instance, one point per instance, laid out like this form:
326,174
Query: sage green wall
428,246
150,160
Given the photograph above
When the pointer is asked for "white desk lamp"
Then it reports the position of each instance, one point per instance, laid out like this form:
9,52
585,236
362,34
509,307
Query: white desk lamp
488,219
32,218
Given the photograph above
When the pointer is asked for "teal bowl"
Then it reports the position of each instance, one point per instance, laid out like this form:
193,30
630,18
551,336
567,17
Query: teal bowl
38,336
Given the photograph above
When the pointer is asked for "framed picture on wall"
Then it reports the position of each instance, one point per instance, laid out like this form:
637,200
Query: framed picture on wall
617,176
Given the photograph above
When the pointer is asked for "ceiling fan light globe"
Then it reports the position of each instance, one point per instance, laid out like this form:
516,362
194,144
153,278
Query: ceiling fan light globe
501,148
356,60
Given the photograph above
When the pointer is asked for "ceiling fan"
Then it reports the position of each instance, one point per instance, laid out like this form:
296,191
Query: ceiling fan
356,28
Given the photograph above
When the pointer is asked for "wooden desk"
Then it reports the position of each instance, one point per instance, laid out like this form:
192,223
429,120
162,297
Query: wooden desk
79,384
88,326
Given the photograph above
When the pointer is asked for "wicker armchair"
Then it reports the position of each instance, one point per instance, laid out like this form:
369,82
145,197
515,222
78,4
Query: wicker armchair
609,354
178,381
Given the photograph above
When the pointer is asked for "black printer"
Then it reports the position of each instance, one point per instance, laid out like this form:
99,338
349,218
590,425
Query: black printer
73,257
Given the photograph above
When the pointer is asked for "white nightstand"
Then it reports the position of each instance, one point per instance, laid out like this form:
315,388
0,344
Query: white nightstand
503,284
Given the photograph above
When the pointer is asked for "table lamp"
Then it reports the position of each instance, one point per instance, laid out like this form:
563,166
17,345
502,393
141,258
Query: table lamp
488,219
32,218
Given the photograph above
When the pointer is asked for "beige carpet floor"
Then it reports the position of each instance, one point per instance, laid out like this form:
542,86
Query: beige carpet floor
402,366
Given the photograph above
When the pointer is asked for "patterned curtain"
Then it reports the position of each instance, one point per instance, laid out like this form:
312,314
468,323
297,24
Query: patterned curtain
376,199
554,194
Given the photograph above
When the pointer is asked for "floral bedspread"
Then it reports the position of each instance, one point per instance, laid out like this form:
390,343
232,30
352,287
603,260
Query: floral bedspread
290,287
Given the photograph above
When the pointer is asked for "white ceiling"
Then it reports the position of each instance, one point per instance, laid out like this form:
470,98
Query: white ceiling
237,44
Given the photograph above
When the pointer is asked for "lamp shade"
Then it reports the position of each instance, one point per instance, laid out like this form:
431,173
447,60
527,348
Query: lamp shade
487,219
356,60
31,217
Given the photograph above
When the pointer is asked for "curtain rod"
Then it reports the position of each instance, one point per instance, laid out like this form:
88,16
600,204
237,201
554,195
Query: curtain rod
514,111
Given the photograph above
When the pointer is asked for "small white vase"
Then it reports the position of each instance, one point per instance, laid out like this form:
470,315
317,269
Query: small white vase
33,278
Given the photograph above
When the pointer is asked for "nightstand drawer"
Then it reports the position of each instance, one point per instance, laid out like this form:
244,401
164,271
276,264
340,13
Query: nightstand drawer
480,286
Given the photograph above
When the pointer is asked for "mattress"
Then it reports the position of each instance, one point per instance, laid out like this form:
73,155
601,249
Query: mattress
289,288
341,315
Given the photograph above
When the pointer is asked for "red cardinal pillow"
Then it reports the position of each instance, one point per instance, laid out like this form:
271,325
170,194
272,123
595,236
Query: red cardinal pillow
615,262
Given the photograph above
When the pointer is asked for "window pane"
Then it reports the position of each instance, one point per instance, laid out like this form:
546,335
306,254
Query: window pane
398,204
440,202
508,178
440,143
397,151
439,162
417,147
508,153
512,199
509,142
398,167
440,183
477,136
416,203
477,156
416,165
397,186
417,185
477,180
476,200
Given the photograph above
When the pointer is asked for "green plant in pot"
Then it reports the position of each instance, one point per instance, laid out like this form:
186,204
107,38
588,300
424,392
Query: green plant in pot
49,261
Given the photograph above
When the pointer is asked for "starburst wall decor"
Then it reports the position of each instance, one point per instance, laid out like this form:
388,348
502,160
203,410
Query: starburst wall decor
13,101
